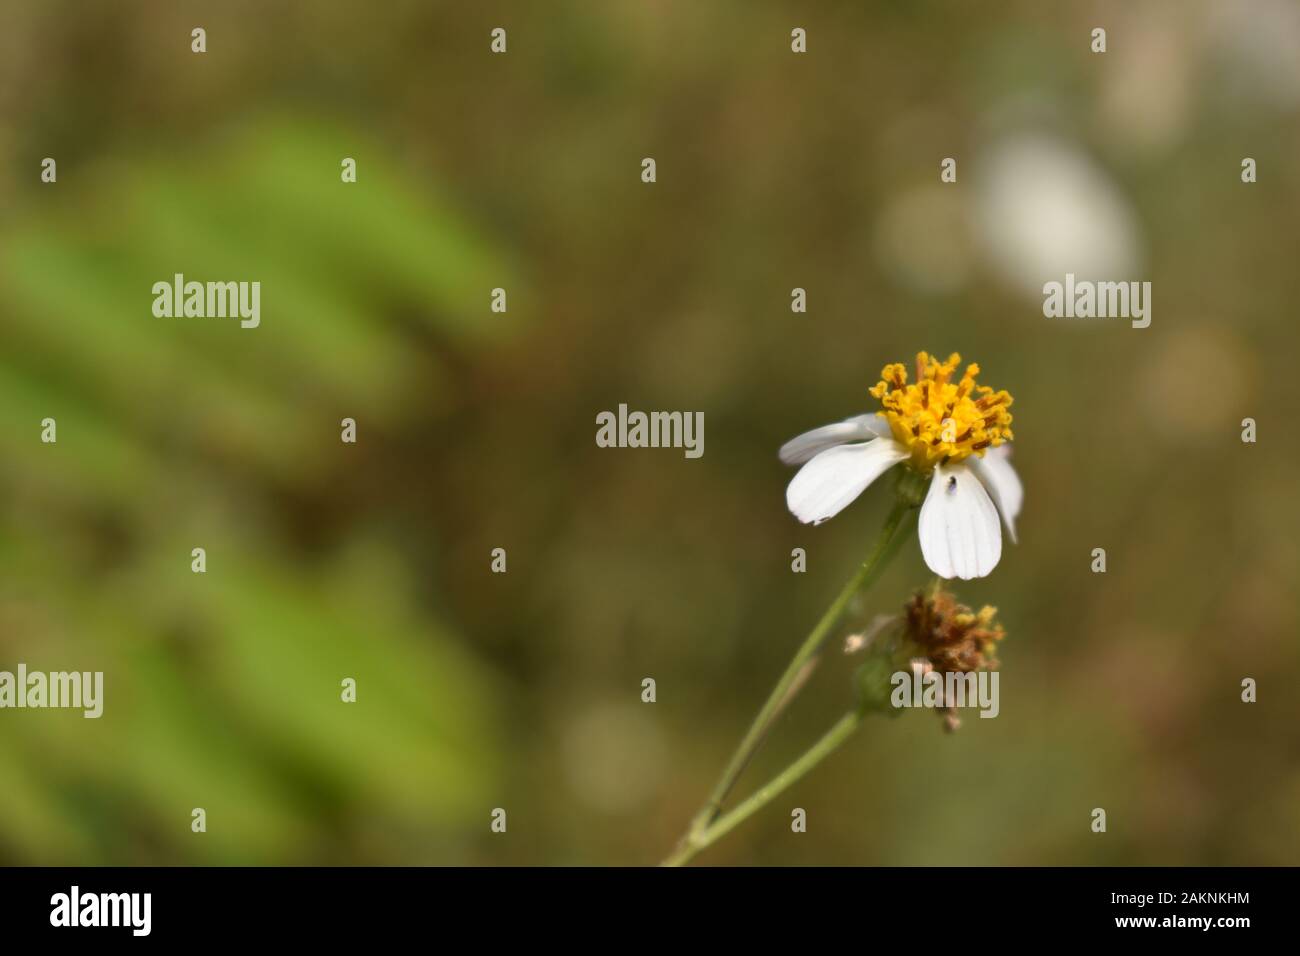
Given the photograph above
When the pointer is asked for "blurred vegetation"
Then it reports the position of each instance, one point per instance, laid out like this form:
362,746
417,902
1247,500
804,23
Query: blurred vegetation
476,430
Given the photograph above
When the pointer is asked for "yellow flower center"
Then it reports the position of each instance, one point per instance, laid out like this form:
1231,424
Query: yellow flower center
939,420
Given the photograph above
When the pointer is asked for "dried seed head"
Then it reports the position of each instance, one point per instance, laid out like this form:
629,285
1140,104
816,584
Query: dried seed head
948,637
951,636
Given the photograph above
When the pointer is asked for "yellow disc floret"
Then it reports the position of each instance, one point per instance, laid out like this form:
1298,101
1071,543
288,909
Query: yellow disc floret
940,420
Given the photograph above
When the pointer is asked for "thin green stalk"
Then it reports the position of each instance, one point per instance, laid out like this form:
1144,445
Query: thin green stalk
886,545
842,731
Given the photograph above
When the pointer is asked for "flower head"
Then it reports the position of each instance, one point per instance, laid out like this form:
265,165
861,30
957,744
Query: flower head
939,420
941,647
954,433
950,638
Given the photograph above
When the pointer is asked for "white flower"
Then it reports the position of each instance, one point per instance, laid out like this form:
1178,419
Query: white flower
952,432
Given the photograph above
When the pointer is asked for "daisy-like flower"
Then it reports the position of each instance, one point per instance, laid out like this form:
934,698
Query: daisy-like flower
952,433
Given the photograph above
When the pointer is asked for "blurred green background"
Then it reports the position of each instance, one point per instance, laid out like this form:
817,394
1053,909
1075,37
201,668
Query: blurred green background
476,430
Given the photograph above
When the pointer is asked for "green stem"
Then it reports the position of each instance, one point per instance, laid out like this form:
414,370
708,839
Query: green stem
842,731
885,546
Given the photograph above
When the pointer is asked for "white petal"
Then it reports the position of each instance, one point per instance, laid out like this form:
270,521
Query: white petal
859,428
828,484
958,527
1001,482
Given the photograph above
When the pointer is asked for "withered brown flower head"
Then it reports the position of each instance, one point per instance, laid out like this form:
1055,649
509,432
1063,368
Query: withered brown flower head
950,635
